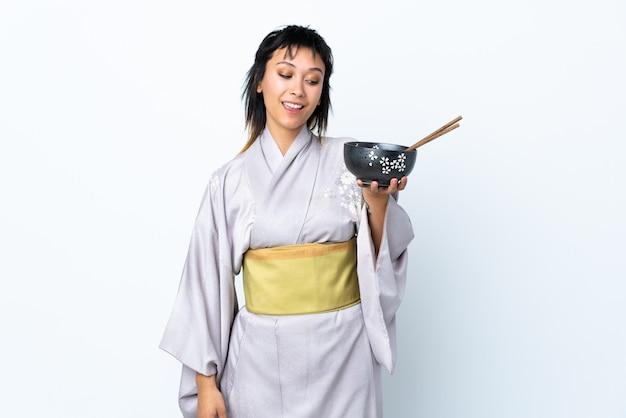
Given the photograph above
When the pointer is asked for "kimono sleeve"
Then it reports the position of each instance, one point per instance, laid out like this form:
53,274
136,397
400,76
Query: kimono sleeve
382,279
198,330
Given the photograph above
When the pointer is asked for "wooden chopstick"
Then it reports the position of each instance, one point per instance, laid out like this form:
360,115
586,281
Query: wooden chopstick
432,136
436,134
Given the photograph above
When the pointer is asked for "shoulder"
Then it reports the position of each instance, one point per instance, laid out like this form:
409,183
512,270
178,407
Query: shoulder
332,159
335,141
229,173
330,144
231,167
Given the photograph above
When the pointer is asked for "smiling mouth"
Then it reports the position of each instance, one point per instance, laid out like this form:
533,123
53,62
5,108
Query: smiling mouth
293,105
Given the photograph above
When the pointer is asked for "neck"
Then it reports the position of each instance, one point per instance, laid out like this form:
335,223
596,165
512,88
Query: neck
283,138
284,145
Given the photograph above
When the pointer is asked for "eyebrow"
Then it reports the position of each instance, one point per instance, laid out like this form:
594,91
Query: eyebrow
291,65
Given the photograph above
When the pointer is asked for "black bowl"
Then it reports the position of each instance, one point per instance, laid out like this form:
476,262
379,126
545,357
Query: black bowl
374,161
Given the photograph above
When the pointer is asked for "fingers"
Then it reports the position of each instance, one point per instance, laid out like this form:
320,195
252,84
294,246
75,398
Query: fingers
402,183
394,185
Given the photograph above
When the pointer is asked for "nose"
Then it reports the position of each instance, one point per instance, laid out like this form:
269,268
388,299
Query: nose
297,88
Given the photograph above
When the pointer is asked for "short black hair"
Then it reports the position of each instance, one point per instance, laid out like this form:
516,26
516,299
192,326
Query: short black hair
291,38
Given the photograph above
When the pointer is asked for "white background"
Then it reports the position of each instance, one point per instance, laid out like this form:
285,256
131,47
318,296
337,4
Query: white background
114,113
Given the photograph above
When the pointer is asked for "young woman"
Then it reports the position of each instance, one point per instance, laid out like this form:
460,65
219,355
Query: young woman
323,258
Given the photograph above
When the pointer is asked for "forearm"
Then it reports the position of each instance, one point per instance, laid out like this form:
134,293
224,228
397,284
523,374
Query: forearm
210,400
377,198
205,383
376,219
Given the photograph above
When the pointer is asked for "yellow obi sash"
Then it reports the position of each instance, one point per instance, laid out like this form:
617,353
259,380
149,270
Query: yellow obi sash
301,279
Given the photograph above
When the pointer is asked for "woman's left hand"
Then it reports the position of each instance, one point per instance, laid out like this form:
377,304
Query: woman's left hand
376,195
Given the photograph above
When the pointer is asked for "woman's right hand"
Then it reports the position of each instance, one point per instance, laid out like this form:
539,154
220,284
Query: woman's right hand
210,400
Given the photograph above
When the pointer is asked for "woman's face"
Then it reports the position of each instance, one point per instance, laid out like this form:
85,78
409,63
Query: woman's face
292,88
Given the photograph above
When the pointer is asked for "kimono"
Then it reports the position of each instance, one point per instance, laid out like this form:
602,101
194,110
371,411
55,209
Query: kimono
322,364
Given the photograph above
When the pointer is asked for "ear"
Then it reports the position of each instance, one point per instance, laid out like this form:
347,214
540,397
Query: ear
259,89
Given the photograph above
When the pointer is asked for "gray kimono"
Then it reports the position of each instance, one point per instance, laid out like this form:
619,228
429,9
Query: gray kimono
324,364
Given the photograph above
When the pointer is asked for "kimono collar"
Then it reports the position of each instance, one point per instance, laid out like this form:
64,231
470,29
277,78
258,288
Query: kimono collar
271,151
282,185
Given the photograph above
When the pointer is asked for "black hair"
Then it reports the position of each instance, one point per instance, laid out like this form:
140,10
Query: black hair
291,38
